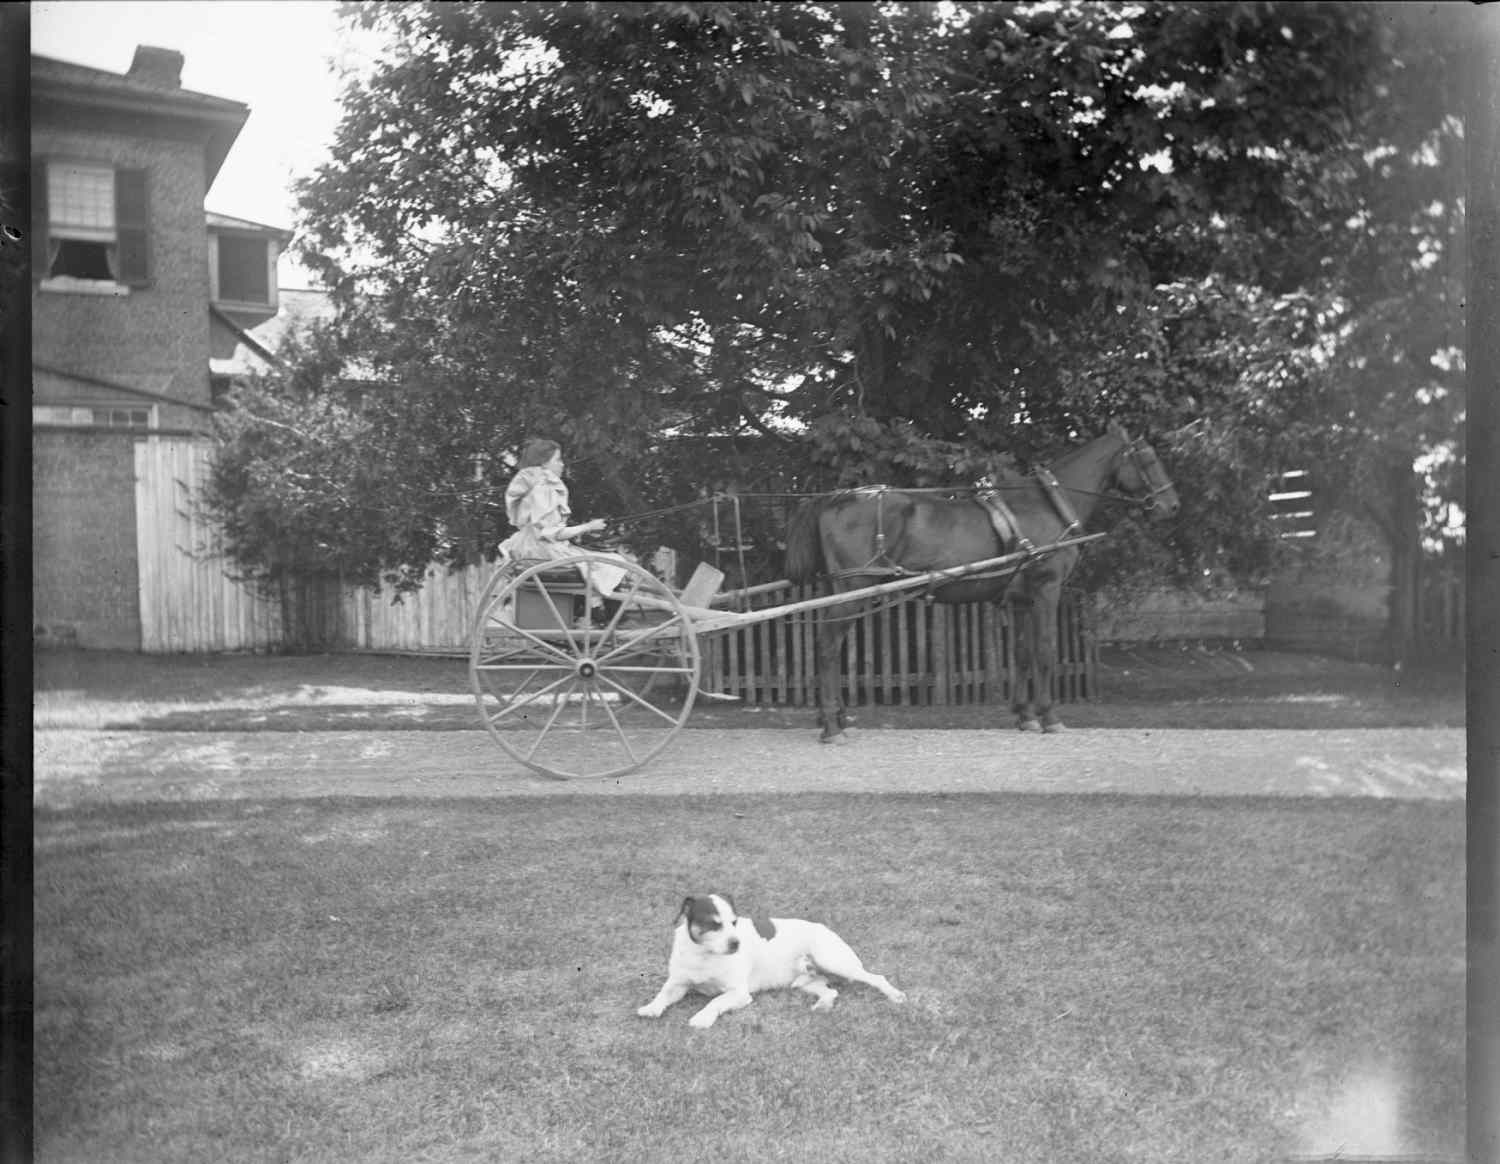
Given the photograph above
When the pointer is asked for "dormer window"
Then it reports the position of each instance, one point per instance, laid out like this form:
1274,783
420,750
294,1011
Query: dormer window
242,258
244,267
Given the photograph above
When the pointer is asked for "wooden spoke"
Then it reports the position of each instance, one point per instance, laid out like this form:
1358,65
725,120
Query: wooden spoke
580,702
631,695
515,705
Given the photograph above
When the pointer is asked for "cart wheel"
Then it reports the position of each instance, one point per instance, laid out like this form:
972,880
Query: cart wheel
574,703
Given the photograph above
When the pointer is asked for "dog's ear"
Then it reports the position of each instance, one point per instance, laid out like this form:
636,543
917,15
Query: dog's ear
684,911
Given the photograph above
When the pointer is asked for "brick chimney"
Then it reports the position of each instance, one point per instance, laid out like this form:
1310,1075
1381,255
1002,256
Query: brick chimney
161,67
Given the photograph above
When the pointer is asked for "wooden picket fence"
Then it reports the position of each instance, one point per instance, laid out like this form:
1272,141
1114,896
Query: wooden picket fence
913,652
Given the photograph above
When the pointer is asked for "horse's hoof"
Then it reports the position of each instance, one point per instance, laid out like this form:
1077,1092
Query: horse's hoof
1029,725
836,741
1054,728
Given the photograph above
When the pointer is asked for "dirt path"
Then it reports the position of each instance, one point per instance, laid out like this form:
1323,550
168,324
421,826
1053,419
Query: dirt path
83,767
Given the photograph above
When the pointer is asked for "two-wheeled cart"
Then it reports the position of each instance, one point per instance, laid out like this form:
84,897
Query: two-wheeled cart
575,687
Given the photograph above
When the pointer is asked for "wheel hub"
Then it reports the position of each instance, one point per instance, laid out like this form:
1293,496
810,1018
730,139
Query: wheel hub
587,668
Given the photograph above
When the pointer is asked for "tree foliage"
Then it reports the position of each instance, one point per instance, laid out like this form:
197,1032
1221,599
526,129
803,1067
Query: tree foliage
812,244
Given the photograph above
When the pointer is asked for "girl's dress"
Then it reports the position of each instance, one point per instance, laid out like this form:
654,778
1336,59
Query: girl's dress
536,502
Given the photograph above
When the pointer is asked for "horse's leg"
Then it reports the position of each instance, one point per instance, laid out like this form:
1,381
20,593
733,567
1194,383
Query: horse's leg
832,717
1044,614
1023,622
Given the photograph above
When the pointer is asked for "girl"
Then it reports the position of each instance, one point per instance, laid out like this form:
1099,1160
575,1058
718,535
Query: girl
536,502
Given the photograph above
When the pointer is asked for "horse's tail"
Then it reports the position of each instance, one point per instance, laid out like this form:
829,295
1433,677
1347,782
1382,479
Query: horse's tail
804,544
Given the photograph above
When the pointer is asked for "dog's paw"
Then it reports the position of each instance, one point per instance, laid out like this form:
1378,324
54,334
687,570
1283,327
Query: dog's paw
702,1020
648,1011
827,1001
897,995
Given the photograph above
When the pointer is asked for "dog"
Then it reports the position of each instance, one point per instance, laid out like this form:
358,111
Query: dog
731,958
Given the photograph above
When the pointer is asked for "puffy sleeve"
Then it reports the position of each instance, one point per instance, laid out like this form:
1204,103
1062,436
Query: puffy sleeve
537,499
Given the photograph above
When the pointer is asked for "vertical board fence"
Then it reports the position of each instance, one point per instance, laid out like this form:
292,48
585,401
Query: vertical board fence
912,652
191,601
438,618
188,599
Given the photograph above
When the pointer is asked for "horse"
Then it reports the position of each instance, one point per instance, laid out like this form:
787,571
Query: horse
858,537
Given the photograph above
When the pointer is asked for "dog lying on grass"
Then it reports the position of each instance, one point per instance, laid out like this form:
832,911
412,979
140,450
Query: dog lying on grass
731,958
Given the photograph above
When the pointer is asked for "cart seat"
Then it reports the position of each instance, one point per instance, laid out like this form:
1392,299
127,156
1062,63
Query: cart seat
562,577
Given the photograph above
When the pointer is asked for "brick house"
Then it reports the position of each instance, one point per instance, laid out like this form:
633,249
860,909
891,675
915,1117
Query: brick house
131,283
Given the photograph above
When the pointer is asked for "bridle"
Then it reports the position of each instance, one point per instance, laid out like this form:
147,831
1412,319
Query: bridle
1132,452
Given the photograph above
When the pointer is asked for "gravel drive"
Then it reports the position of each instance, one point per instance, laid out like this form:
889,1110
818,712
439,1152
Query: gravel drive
75,767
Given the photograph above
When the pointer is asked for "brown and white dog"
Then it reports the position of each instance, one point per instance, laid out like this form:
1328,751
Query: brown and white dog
718,953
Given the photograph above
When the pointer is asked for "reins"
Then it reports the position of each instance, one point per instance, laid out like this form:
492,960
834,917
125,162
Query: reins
987,495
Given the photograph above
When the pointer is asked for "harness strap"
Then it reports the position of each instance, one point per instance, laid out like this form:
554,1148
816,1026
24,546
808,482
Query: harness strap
1059,499
880,562
1003,519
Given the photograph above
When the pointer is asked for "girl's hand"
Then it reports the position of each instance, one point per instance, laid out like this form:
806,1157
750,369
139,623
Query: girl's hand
598,525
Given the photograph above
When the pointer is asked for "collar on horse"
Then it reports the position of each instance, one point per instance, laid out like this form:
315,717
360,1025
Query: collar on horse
1004,519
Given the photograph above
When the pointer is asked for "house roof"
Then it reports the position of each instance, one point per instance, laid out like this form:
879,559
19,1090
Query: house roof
63,86
295,307
229,222
259,347
116,386
248,351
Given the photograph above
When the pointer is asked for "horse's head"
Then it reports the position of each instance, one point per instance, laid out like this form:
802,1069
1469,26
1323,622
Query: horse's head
1138,474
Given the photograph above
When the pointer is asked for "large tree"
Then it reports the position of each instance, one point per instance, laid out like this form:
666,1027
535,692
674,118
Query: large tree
840,241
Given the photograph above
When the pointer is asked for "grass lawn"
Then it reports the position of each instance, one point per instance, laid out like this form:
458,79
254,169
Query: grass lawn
1145,686
1091,979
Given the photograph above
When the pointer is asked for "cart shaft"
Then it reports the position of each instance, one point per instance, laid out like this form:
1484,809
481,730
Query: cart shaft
716,620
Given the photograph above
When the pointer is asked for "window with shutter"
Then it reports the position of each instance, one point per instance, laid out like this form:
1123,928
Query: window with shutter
92,228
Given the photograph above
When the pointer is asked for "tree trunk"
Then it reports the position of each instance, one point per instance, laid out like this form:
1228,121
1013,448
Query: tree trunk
309,610
292,627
